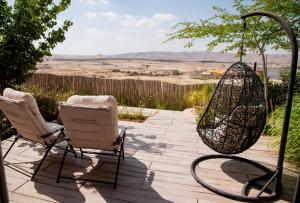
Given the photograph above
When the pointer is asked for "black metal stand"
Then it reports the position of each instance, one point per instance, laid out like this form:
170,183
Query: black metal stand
270,176
118,153
253,183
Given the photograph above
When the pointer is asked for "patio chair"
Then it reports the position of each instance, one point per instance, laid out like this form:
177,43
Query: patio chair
91,122
21,110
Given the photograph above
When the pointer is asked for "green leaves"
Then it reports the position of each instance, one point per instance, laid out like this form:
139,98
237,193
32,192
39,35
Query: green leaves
226,27
28,32
275,129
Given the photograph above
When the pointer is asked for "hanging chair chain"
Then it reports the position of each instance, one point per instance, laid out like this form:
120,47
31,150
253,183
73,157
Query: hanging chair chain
243,39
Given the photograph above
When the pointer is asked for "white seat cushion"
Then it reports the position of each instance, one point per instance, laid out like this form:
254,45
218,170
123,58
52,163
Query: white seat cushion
55,128
101,100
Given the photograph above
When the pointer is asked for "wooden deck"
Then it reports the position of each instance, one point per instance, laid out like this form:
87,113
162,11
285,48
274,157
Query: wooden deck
159,153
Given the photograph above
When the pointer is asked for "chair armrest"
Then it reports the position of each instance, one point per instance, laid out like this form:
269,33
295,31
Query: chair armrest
122,133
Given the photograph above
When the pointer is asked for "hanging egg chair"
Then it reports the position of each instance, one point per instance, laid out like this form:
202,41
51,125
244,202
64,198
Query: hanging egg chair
236,114
235,118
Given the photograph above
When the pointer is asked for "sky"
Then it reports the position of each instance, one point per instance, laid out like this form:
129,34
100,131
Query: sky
122,26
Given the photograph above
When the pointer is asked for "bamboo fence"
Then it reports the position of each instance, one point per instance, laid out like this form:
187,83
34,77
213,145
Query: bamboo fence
133,90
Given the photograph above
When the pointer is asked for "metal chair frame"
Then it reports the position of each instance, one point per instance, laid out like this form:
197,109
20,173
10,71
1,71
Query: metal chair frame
117,152
48,148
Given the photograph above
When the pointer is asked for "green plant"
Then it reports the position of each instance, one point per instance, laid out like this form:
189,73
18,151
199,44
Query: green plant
157,104
135,116
278,90
5,128
200,97
199,115
274,128
47,100
28,32
123,101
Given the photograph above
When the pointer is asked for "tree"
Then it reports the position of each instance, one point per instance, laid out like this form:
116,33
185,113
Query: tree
28,32
226,28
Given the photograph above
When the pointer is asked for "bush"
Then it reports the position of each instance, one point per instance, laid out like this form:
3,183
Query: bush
275,127
5,128
200,97
151,102
134,117
47,100
278,90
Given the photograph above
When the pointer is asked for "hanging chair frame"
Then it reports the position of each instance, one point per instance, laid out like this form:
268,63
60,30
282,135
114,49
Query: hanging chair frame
270,175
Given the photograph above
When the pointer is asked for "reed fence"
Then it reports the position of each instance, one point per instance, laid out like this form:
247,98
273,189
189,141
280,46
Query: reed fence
169,95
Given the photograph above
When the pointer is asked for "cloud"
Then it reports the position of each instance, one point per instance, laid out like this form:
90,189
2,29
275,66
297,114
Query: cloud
164,17
91,15
110,15
137,22
97,32
131,21
93,2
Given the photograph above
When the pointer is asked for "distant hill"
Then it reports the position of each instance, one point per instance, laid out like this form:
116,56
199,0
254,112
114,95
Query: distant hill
277,59
57,57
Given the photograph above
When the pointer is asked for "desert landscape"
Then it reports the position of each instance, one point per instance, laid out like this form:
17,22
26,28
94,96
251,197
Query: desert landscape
174,67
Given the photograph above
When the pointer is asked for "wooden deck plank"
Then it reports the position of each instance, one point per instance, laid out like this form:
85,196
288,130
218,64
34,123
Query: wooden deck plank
157,168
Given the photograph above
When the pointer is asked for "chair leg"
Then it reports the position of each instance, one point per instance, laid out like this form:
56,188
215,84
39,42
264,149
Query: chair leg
16,139
62,163
49,147
72,149
117,171
122,147
41,162
122,151
81,152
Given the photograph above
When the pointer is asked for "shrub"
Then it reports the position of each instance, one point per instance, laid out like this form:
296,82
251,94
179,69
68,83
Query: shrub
278,90
134,116
151,102
275,127
5,128
200,97
47,100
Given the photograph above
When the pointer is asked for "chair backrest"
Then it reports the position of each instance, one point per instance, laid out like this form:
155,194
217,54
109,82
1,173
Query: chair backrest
22,111
91,121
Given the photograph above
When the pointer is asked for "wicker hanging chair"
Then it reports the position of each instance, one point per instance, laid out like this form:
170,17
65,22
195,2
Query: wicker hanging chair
236,114
234,120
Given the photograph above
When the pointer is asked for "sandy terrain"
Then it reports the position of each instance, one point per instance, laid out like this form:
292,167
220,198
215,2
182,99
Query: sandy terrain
184,72
177,67
171,71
